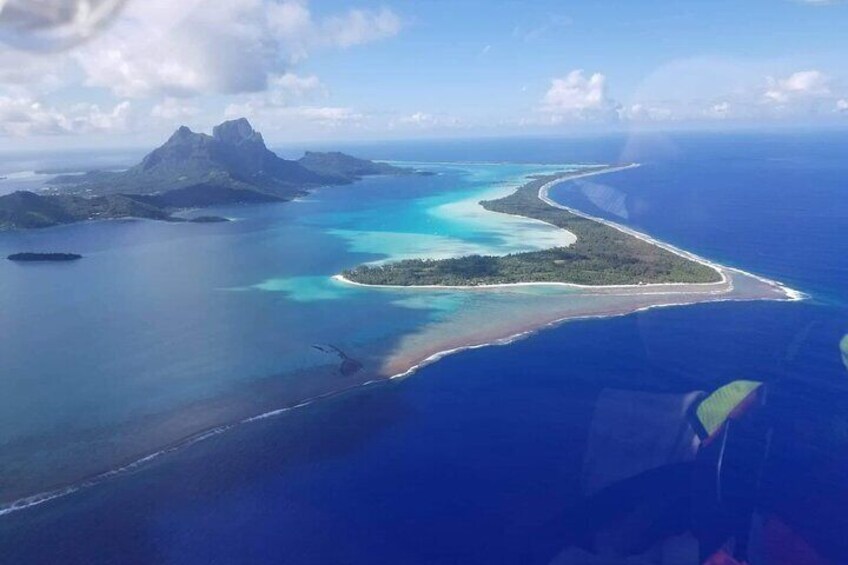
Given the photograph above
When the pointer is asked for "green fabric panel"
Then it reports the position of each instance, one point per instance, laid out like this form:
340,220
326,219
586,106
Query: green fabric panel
715,409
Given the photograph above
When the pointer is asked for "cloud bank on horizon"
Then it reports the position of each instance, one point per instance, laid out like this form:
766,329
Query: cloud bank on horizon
802,94
131,69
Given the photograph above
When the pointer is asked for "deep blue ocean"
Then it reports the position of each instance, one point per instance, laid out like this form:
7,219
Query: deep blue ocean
478,457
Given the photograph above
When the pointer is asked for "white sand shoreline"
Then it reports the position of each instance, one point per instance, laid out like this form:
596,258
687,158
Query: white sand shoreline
649,287
791,294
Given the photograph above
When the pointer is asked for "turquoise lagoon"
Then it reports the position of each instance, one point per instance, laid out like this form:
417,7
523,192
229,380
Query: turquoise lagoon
166,331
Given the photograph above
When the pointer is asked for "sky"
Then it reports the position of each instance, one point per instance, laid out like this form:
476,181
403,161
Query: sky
125,73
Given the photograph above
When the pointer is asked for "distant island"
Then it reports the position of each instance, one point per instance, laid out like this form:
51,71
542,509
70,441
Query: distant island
32,257
602,255
190,170
208,220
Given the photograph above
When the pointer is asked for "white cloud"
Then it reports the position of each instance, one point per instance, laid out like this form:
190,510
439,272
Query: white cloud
26,72
576,92
179,55
282,117
193,47
643,112
699,89
802,84
290,97
418,118
288,87
685,92
358,27
578,96
171,109
292,24
424,120
180,49
324,115
88,118
21,117
719,110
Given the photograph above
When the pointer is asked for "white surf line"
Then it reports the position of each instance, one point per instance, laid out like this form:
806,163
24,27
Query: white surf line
43,497
791,294
566,319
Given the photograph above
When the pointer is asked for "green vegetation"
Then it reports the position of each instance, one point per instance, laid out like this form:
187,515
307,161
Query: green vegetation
602,255
344,168
26,210
33,257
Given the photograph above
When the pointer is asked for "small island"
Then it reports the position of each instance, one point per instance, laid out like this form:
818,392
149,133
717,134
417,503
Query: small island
208,220
603,255
33,257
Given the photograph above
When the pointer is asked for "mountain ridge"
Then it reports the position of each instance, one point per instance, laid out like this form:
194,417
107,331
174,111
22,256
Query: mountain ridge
234,156
189,170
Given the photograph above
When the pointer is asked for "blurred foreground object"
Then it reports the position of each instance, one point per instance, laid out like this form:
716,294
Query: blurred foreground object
49,25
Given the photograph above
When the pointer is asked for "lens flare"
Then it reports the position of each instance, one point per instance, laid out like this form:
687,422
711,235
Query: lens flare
49,25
